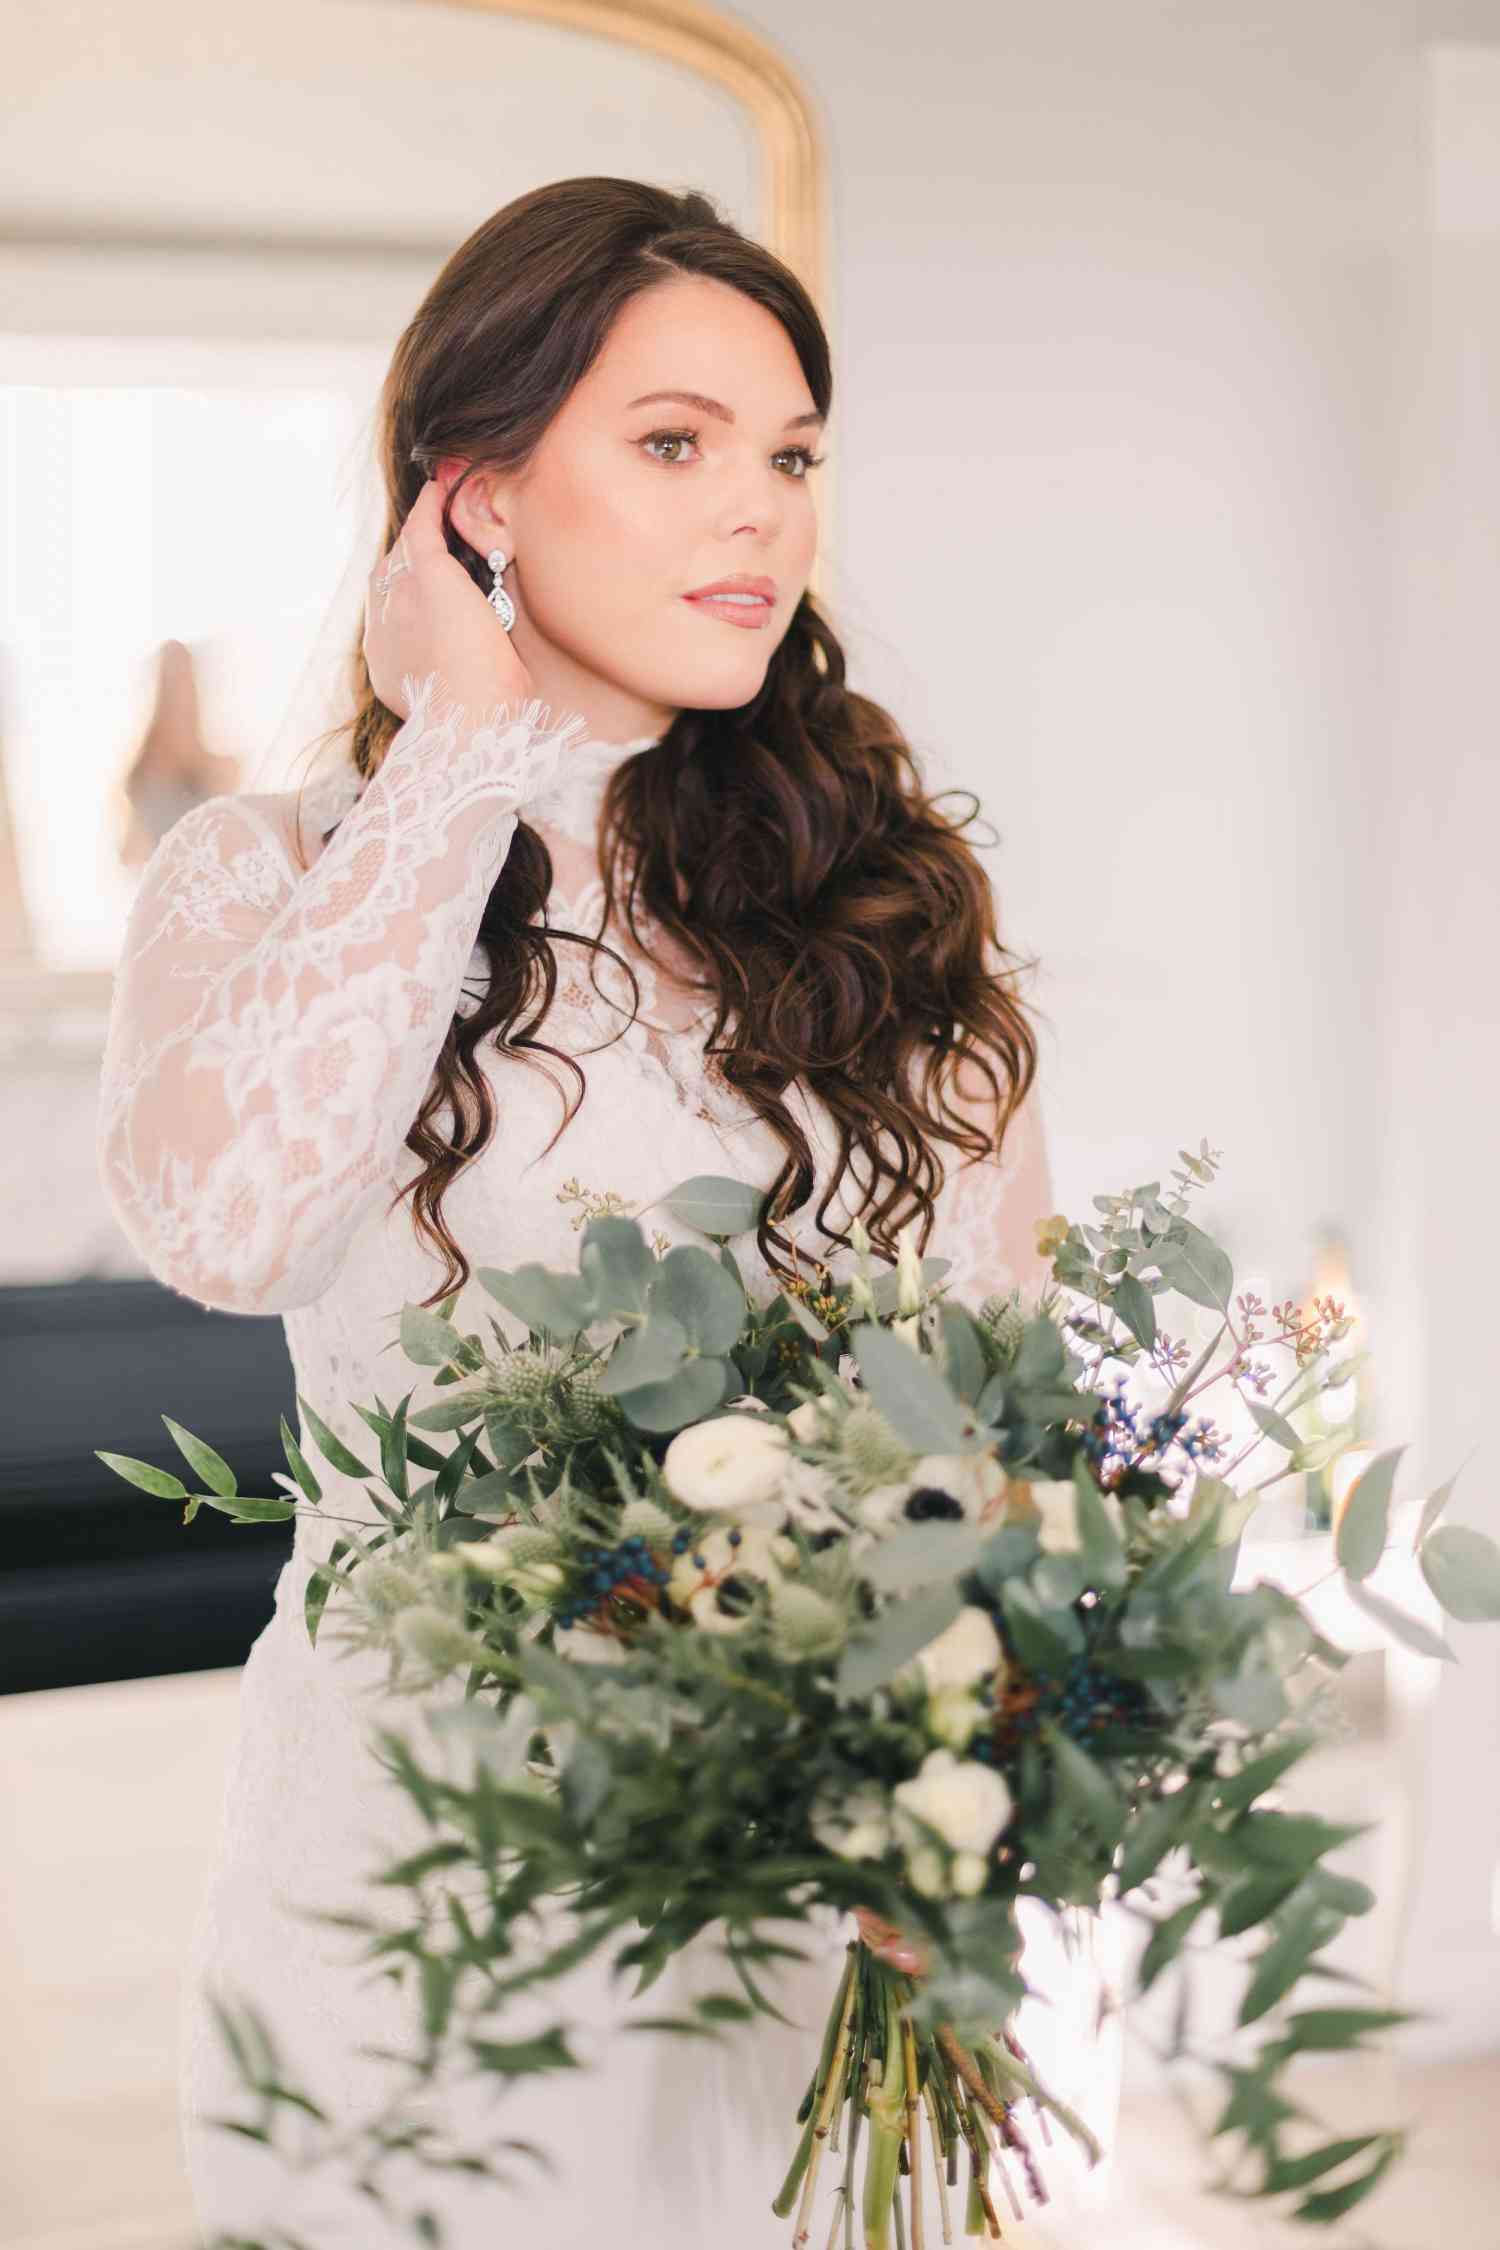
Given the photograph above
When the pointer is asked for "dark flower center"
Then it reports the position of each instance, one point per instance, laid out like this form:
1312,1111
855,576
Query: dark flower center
929,1503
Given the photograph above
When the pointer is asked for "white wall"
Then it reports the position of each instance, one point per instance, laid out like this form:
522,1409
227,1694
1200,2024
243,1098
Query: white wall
1168,345
1435,1099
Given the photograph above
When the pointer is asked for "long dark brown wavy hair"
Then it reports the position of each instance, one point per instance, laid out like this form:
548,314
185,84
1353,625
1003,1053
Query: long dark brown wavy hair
845,929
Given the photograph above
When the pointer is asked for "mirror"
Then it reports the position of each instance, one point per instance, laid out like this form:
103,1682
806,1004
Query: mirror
193,326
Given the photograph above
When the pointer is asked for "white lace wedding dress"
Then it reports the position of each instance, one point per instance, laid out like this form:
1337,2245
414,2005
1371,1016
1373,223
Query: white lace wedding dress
272,1035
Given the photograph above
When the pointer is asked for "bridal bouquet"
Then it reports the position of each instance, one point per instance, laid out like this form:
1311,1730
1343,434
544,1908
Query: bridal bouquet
862,1599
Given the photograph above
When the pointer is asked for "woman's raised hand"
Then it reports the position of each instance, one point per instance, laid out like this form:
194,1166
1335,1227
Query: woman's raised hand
424,614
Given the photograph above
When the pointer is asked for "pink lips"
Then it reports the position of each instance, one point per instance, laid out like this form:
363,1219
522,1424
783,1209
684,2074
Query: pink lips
753,613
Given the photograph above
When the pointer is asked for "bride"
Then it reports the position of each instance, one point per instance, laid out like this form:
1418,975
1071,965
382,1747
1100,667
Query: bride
625,807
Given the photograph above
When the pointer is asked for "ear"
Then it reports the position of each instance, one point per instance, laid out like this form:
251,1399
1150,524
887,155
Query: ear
477,512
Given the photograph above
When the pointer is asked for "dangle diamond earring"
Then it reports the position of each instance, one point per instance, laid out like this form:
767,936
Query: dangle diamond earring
500,601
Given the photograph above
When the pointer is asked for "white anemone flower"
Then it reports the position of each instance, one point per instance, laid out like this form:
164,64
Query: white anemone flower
966,1802
728,1462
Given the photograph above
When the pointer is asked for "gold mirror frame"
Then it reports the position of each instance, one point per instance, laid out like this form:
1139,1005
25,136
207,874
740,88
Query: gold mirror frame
793,224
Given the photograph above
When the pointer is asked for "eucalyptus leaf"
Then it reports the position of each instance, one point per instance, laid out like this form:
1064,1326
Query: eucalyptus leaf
1275,1426
616,1265
692,1288
966,1360
1434,1504
1411,1631
922,1555
693,1392
554,1304
650,1354
877,1652
1103,1550
1046,1640
426,1339
1463,1569
1195,1266
715,1205
1133,1305
1364,1523
1319,1453
1086,1786
1041,1355
910,1393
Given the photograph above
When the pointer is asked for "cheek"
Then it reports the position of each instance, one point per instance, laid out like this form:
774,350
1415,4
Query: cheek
611,538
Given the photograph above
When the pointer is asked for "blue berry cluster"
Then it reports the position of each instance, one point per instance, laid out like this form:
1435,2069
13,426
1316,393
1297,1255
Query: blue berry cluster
608,1566
1119,1429
682,1540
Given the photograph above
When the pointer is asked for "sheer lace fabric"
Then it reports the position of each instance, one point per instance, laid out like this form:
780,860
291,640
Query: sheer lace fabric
272,1035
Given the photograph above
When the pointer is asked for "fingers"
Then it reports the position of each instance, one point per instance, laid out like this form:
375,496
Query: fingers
423,528
422,533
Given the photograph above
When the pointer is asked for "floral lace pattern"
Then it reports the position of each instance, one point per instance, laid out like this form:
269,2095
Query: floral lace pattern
271,1038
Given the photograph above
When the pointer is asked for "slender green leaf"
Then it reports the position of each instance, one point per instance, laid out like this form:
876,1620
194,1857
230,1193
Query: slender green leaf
1332,2203
297,1463
1317,2028
320,1584
212,1467
1283,1961
159,1482
1286,2172
1166,1942
332,1448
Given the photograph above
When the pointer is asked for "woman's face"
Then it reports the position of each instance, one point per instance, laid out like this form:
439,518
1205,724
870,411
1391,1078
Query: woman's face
626,508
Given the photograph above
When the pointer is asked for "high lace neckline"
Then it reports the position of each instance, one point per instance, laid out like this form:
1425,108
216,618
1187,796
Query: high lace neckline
569,801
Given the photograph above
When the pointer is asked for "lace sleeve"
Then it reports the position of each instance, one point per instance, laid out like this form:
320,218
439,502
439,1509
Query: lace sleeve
988,1212
272,1035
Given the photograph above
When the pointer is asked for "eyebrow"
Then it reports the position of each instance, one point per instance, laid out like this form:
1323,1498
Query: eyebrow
714,406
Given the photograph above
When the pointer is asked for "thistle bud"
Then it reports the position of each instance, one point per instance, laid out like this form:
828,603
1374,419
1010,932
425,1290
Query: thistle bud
908,1270
804,1623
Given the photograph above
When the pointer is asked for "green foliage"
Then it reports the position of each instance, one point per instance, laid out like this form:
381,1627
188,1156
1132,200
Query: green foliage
1144,1715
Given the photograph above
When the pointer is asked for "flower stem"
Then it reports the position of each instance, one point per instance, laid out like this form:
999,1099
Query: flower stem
824,2108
